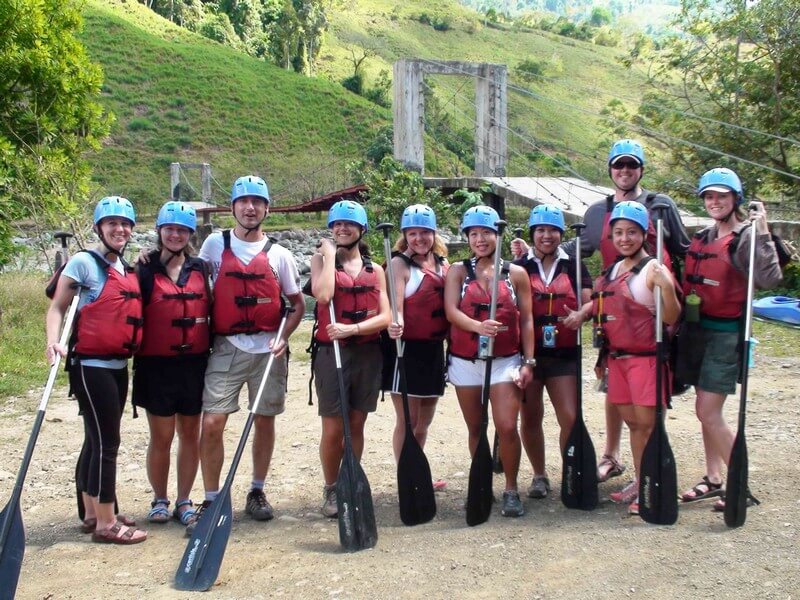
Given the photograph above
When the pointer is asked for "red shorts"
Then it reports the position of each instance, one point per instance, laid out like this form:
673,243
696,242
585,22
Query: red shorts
632,380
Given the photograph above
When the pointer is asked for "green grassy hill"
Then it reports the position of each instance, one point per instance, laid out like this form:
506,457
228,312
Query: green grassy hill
180,97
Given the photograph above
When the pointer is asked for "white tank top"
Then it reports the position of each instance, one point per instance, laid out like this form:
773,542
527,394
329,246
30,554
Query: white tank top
638,284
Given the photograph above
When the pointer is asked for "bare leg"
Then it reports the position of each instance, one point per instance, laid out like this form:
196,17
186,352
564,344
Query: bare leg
263,445
162,431
564,396
212,449
531,430
718,437
505,399
188,428
331,448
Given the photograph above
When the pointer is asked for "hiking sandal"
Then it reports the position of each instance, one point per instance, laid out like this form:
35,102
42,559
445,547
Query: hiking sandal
186,516
117,535
159,511
702,490
609,467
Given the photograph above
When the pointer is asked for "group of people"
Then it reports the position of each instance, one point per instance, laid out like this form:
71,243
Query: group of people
201,327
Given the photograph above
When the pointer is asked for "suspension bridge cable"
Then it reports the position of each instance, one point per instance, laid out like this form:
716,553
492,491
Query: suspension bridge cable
595,90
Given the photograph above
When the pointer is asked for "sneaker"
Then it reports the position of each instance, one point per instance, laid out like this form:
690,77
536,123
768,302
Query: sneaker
512,505
191,523
258,507
540,486
329,507
627,494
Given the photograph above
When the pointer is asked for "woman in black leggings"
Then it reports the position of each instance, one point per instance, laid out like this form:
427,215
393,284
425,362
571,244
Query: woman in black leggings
107,331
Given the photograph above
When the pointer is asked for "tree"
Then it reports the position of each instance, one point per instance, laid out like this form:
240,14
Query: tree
736,63
600,16
49,114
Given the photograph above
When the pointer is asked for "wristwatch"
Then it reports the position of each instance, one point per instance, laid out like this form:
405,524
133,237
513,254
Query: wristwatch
529,361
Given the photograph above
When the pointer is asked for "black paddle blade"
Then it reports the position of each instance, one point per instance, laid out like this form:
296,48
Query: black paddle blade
658,481
357,528
736,487
12,550
579,470
202,559
414,483
479,493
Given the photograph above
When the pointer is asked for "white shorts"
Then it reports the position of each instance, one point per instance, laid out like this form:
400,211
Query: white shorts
462,372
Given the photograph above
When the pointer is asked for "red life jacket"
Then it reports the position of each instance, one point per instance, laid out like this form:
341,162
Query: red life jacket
475,303
710,274
247,298
423,311
111,326
176,317
628,326
609,253
354,299
549,303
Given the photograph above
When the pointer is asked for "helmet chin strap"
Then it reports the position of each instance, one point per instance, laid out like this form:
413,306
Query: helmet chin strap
111,250
352,245
173,254
249,230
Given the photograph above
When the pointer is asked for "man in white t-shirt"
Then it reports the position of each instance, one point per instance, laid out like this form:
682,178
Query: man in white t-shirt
250,274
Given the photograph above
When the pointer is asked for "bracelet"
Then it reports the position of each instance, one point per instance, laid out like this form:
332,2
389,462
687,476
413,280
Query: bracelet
358,329
530,362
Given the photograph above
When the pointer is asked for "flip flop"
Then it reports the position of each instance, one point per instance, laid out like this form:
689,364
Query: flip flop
89,525
116,535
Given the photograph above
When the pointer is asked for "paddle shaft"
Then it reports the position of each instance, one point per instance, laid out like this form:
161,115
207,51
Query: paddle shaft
401,363
197,559
237,456
487,371
736,485
37,424
659,323
748,328
578,228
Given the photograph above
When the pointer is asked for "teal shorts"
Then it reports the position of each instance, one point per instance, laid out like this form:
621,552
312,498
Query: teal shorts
710,359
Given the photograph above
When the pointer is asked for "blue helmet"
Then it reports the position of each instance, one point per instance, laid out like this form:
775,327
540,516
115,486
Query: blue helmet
250,185
347,210
626,147
480,216
545,214
632,211
177,213
114,206
721,180
418,215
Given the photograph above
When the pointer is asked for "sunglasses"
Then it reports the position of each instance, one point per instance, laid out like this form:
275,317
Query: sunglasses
625,164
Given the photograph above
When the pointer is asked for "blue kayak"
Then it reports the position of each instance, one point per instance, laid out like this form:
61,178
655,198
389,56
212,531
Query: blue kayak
778,308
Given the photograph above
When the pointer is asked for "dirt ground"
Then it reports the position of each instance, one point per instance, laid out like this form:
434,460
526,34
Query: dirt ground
551,552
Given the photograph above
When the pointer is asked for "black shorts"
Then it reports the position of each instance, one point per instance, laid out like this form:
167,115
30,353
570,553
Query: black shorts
169,385
424,365
548,366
